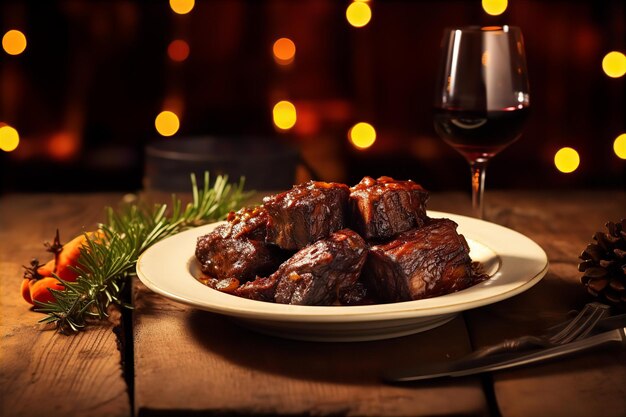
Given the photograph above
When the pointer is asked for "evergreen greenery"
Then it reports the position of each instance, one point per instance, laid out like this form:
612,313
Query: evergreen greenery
108,259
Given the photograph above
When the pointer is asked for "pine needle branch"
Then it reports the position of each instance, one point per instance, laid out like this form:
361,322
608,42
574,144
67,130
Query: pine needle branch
108,259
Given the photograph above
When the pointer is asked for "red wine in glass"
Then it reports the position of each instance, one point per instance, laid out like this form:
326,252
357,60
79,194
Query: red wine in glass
480,134
482,98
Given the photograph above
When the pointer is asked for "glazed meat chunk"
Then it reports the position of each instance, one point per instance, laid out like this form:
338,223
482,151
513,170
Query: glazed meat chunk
421,263
383,208
261,289
248,222
306,213
221,256
319,274
237,249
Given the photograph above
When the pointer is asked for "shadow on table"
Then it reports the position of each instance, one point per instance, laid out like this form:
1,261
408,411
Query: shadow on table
345,362
354,362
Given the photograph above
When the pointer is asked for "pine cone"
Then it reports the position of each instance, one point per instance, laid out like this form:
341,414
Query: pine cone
604,265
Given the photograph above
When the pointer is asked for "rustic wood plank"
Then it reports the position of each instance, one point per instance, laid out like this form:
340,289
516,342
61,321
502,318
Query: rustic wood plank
187,360
43,373
562,223
192,361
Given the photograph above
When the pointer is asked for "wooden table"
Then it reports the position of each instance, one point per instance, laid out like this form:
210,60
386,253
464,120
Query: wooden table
179,360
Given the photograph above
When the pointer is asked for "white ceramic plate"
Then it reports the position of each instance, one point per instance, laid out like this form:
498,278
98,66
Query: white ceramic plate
513,261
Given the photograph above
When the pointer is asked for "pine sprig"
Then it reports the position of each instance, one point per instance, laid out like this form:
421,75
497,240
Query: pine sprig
108,258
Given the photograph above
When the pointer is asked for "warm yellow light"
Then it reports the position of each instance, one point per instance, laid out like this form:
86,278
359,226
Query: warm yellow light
178,50
9,138
284,51
495,7
566,160
362,135
14,42
614,64
284,113
182,6
619,146
167,123
358,14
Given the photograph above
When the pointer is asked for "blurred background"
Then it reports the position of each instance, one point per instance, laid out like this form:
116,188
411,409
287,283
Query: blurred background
339,89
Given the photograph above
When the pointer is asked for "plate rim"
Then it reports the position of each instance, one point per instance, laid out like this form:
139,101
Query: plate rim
252,309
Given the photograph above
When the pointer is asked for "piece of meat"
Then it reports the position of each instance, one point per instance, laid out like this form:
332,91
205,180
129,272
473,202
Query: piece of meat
306,213
357,295
261,289
227,285
383,208
248,222
322,273
237,249
421,263
222,256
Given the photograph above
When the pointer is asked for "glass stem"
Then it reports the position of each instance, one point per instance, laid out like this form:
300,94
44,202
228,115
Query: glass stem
478,186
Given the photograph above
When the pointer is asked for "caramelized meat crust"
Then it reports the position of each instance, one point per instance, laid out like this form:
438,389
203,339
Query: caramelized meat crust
421,263
261,289
238,249
306,213
383,208
249,222
222,256
322,273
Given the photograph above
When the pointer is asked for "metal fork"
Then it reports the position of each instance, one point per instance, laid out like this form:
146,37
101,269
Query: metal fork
576,329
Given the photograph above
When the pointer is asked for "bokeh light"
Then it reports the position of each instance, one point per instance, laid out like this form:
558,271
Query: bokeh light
178,50
619,146
494,7
284,51
614,64
284,114
14,42
182,6
9,138
362,135
566,160
63,145
167,123
358,14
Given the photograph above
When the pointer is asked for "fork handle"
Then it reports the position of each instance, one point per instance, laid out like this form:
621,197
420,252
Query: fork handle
464,367
613,337
511,345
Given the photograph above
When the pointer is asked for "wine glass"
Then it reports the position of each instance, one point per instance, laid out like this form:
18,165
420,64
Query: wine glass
482,98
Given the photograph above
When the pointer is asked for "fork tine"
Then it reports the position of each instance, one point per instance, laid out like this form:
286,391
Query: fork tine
573,322
575,329
582,323
587,325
